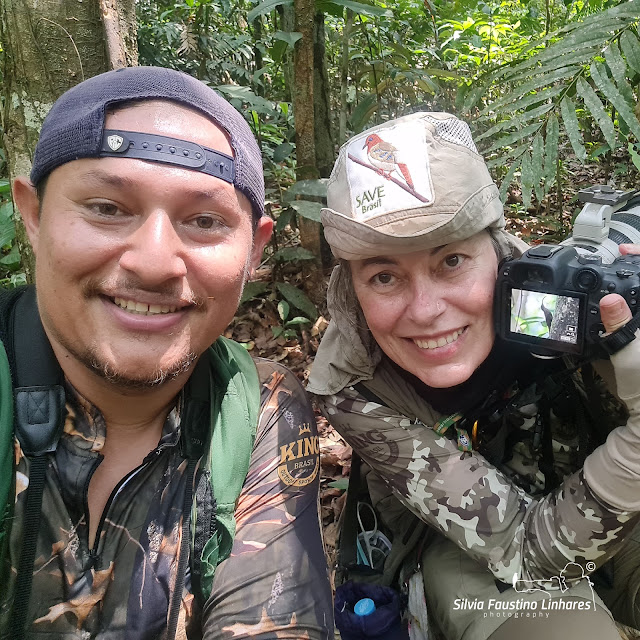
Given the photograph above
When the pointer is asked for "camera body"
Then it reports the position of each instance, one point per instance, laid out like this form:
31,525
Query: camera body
549,297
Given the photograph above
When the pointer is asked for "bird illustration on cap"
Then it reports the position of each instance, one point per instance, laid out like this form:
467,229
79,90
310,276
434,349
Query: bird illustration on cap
384,156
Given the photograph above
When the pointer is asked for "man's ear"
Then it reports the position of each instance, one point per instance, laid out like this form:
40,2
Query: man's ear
261,236
27,203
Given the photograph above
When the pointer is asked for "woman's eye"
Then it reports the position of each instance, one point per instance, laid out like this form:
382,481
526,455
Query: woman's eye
383,278
453,261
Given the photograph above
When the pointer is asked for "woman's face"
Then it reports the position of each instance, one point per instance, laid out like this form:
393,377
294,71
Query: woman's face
431,311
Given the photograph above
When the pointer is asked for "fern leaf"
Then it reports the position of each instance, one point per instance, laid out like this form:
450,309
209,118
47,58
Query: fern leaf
526,179
610,91
533,84
531,100
596,108
631,49
507,180
618,69
514,137
518,121
537,167
515,152
572,127
551,151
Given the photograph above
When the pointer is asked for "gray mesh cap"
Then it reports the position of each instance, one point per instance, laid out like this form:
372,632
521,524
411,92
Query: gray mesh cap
74,127
413,183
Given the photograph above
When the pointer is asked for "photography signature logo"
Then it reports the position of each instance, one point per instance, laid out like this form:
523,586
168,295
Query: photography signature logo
556,582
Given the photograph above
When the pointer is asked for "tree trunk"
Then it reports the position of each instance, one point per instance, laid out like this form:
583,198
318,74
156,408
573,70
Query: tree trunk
344,77
50,46
321,98
303,91
303,111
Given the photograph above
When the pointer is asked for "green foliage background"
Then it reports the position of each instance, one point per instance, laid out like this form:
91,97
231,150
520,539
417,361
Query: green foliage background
545,84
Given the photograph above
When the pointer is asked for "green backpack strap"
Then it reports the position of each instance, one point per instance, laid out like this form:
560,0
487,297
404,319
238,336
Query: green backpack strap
235,405
6,447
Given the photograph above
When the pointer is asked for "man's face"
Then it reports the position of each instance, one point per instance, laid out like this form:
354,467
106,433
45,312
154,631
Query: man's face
431,311
140,265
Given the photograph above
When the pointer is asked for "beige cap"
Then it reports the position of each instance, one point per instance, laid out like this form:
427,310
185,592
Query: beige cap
409,184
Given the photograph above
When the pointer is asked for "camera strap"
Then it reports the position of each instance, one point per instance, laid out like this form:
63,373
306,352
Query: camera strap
621,337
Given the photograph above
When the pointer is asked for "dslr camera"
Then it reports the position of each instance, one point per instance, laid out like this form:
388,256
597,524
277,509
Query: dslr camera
548,298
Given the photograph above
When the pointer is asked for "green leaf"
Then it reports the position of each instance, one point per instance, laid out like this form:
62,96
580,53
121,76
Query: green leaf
283,309
530,100
515,137
282,151
551,151
635,156
298,299
536,166
284,219
290,254
5,186
507,180
308,190
532,85
515,153
253,290
277,331
526,179
363,112
518,121
611,92
631,49
246,95
365,9
596,108
342,483
6,211
12,259
7,233
266,7
297,321
307,209
290,37
572,127
618,69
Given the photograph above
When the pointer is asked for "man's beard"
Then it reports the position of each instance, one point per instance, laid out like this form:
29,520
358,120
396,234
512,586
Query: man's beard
90,359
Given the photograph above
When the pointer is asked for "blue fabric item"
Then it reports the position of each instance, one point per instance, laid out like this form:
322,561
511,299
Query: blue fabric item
74,126
384,623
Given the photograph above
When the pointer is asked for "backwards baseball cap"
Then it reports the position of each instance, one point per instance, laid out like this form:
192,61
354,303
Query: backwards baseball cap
413,183
74,128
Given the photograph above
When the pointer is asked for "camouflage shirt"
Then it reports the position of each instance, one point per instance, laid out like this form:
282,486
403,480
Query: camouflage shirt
499,515
274,584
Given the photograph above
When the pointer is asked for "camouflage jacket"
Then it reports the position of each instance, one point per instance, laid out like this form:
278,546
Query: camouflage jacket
274,584
499,516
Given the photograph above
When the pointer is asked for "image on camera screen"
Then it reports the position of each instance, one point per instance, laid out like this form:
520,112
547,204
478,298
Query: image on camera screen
545,315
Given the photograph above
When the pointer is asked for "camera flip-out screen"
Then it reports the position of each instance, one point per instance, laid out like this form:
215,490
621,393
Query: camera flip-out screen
545,316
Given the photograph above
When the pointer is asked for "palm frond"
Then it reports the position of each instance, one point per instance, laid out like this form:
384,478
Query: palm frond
583,78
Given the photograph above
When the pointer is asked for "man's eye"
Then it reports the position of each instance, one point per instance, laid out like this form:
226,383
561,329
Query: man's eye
104,208
204,222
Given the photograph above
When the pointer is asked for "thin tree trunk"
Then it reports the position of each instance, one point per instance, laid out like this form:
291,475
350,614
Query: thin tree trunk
344,77
303,111
303,91
50,46
321,99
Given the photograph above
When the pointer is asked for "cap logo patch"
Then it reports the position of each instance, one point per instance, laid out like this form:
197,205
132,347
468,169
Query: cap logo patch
389,170
115,142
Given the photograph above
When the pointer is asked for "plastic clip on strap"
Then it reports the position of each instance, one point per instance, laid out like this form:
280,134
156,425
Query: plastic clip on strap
146,146
621,337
